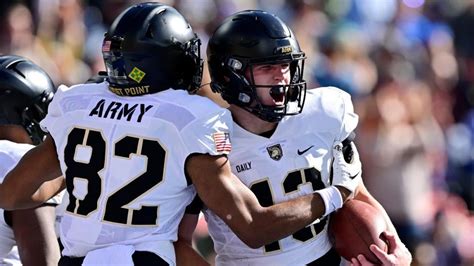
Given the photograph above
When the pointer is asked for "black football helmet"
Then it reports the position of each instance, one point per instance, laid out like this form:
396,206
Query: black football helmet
25,93
250,38
150,47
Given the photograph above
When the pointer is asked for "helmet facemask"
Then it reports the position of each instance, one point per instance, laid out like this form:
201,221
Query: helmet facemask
243,92
32,115
193,53
114,61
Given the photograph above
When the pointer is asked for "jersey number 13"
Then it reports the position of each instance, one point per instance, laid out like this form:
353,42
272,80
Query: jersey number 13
291,183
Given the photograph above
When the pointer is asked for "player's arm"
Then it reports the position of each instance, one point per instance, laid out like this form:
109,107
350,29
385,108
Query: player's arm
185,253
235,204
35,179
35,235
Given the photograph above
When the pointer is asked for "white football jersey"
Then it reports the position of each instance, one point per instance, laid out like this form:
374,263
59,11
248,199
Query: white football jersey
294,161
123,159
10,154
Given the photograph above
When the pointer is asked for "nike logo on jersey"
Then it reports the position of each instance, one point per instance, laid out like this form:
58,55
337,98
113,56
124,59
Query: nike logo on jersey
305,150
119,111
243,167
354,176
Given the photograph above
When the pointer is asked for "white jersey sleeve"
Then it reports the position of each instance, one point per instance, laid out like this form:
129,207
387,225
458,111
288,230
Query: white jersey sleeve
54,109
332,108
216,141
10,154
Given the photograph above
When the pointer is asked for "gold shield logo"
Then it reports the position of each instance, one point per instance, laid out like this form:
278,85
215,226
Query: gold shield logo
275,152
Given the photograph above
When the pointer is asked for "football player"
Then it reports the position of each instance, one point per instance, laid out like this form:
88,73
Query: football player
280,150
131,146
26,236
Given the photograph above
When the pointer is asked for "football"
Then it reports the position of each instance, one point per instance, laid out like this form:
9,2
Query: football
354,227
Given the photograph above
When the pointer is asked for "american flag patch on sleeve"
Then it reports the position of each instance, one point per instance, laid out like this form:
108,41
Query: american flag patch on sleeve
222,142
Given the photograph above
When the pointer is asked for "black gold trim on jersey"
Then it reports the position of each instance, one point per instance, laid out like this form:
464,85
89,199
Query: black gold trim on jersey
275,152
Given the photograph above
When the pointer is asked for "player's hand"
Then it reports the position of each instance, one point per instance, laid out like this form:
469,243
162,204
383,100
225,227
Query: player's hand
346,174
397,254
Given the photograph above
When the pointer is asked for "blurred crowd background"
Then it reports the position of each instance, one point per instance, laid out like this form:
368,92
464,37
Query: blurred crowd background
408,64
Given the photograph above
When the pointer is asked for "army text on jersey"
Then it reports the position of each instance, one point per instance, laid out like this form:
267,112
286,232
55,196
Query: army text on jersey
117,110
